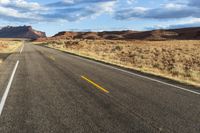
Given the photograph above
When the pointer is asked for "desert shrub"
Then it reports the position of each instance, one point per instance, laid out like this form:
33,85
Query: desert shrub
117,48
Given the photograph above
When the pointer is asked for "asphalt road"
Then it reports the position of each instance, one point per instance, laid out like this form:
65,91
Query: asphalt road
54,92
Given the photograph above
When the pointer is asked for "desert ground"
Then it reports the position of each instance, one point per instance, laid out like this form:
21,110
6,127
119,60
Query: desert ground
176,59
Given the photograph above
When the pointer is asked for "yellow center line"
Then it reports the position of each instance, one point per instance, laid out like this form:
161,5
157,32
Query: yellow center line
96,85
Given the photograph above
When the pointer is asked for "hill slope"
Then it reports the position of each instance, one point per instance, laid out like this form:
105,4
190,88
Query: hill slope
21,32
172,34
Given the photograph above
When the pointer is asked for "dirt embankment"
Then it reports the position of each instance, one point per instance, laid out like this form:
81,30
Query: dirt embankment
178,60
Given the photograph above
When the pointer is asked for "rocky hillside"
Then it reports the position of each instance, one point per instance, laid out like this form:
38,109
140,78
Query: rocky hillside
21,32
173,34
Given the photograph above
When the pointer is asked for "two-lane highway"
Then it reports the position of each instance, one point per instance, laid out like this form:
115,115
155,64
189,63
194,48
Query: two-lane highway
54,92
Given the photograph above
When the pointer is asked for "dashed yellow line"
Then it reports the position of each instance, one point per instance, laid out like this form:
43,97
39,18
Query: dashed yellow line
96,85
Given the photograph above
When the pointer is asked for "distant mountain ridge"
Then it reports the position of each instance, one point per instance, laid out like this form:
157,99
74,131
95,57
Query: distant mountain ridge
21,32
170,34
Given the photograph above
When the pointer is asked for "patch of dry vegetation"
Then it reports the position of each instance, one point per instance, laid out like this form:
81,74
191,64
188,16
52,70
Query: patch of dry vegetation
179,60
7,47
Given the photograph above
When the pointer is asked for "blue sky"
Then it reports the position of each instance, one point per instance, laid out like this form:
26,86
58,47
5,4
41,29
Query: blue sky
53,16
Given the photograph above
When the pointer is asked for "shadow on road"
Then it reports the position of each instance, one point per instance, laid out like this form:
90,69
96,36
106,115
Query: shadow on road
3,56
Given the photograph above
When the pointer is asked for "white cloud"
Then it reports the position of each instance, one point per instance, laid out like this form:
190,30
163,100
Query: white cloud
21,4
27,5
106,7
10,13
170,10
174,6
188,22
20,10
75,10
4,1
69,1
130,1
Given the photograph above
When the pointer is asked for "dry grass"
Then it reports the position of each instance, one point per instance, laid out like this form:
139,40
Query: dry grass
178,60
7,47
14,39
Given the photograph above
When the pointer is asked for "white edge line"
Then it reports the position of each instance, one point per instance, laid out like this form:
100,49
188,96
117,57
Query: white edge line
145,77
22,49
3,100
